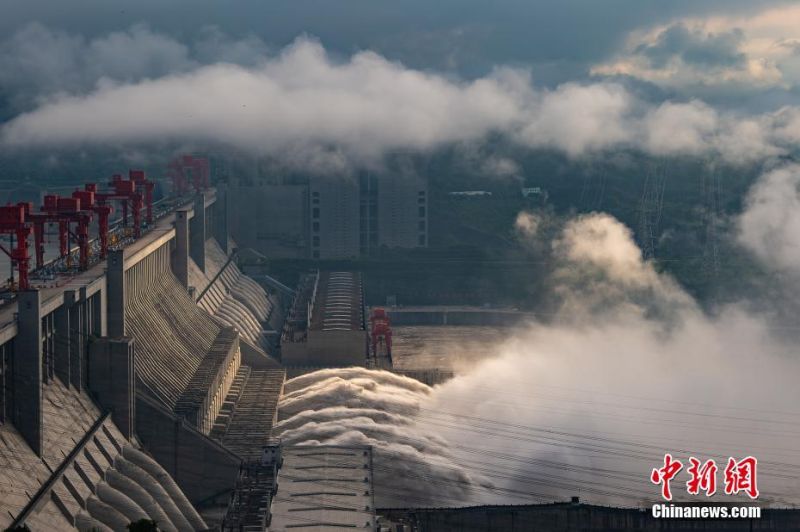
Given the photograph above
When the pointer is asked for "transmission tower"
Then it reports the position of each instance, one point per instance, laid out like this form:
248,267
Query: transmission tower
711,184
651,206
593,190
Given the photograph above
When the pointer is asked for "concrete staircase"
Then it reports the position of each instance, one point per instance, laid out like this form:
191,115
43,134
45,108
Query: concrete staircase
229,406
253,413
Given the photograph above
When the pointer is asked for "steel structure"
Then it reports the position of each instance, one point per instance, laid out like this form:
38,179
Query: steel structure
64,212
132,194
650,208
189,173
103,211
13,223
380,333
73,216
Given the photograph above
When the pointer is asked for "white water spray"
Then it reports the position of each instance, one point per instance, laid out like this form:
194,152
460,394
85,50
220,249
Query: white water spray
357,406
586,404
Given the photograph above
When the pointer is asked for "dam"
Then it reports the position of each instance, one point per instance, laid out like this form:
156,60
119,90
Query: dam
159,383
146,385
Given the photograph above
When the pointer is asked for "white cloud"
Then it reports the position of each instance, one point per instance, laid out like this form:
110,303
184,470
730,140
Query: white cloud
579,118
716,51
312,111
680,128
695,128
37,62
366,105
770,224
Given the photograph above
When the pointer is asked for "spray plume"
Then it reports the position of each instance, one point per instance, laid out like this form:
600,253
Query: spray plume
586,403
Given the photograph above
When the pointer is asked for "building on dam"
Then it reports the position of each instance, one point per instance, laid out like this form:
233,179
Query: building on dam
325,218
327,325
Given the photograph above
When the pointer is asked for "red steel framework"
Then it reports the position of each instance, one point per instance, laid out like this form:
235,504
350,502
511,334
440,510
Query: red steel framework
132,194
380,331
189,172
65,212
13,223
73,215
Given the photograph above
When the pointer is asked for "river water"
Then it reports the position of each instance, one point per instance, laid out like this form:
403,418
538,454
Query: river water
449,347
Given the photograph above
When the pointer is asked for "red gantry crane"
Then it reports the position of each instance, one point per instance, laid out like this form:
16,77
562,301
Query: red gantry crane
13,222
73,216
146,186
381,333
132,194
88,203
188,172
65,212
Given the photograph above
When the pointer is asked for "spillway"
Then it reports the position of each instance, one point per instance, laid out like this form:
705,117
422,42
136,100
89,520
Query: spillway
358,406
122,398
234,299
173,334
110,494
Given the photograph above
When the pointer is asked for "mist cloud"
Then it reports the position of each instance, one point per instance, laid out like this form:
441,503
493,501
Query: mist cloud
304,106
37,62
527,224
770,224
583,402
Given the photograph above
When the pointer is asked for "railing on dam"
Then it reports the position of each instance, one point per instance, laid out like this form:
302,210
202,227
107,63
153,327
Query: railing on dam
62,270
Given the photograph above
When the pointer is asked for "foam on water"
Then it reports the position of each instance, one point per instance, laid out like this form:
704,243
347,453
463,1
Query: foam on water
357,406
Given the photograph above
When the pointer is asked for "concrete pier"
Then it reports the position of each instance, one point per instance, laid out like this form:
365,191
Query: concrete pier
112,380
221,213
197,233
28,369
180,258
62,344
77,338
116,296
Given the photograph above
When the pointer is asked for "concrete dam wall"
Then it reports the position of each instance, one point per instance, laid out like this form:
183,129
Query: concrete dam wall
172,334
234,299
121,397
215,389
95,488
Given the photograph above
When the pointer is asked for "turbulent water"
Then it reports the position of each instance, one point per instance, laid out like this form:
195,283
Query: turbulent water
356,406
426,346
502,434
587,403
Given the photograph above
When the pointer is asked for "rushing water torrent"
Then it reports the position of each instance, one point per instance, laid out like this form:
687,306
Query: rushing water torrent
628,367
357,406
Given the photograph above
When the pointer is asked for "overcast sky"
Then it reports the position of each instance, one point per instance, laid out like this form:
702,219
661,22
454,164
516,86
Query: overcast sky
560,37
331,80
